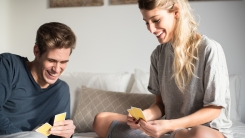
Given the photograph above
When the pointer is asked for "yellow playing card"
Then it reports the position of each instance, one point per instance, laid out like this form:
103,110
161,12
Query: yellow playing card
44,129
131,112
136,113
60,117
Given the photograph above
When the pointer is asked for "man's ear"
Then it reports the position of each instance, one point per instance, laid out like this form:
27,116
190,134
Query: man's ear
36,51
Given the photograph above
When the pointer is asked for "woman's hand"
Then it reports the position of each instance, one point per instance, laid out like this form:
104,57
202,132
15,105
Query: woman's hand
132,122
64,129
155,128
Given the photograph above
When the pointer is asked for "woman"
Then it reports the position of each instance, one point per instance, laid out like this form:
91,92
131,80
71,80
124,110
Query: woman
188,75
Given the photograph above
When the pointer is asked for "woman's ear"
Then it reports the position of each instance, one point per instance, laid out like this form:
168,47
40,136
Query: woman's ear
176,9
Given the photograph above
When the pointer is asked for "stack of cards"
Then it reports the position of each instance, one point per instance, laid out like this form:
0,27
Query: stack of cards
44,129
136,113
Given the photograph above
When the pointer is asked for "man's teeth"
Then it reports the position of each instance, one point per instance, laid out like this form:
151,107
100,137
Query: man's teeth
52,74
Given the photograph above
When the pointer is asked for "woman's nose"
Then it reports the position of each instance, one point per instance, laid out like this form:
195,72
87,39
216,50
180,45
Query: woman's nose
151,27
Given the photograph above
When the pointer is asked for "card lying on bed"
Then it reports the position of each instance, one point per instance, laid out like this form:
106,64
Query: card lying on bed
136,113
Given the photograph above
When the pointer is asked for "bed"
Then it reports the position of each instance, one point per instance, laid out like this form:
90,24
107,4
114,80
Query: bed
89,88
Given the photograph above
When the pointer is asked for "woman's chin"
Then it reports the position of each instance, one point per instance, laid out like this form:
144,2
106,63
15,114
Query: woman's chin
162,41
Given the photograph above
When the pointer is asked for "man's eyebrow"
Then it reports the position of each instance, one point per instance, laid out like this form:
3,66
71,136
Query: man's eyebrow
65,61
151,17
57,60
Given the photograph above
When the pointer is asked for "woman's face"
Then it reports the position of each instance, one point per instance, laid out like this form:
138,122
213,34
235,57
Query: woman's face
160,22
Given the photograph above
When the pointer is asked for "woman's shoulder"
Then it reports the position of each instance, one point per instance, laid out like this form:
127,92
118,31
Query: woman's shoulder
208,43
209,46
210,49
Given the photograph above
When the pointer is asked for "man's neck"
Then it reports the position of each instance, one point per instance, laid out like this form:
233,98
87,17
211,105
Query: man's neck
34,72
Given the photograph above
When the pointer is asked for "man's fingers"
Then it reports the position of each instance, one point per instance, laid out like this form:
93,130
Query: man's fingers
63,123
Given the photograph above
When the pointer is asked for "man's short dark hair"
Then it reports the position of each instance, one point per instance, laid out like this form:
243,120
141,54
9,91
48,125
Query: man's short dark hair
55,35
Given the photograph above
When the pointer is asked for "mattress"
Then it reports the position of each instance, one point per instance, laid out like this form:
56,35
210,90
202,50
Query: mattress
85,135
238,129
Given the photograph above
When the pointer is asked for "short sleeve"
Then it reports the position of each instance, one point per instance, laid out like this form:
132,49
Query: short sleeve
153,86
216,80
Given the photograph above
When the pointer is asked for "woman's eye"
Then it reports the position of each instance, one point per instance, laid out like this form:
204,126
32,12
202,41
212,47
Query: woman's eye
156,21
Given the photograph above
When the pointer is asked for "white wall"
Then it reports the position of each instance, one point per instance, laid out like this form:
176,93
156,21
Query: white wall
4,18
113,38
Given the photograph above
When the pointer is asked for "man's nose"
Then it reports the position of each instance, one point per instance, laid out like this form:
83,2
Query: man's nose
57,67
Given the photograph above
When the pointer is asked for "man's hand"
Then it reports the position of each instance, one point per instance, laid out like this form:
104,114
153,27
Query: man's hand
64,129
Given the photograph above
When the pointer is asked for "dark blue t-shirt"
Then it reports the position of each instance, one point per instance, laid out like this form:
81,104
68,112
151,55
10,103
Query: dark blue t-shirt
23,104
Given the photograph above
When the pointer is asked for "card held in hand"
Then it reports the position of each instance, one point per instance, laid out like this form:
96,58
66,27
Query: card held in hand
44,129
136,113
60,117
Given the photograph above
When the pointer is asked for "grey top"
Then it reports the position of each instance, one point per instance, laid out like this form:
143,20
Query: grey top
210,88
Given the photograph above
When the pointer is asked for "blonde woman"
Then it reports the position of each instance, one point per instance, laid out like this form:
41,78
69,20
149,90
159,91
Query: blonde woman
188,75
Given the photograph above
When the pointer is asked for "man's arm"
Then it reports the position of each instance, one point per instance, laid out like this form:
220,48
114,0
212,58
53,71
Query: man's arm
6,126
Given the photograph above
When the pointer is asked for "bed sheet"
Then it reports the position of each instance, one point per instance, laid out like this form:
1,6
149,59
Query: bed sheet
85,135
238,129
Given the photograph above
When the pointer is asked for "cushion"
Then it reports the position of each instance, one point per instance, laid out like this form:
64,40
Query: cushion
141,82
142,78
104,81
93,101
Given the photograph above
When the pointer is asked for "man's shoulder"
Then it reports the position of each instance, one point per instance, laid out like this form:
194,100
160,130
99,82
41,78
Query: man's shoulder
10,56
7,55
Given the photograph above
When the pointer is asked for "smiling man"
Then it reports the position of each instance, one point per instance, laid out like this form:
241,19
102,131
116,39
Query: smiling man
31,92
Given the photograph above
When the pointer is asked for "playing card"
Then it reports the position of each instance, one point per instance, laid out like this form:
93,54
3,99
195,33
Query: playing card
131,112
136,113
60,117
44,129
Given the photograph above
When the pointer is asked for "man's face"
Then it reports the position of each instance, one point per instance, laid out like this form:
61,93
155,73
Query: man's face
50,66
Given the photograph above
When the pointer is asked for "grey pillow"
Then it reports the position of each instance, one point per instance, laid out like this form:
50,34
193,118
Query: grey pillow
93,101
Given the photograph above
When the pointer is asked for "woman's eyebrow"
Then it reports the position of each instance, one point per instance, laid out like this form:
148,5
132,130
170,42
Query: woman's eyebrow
151,17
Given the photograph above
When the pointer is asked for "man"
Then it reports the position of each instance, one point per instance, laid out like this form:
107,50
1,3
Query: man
31,92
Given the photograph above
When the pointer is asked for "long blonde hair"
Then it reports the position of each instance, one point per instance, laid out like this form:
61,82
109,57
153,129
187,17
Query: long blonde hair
185,39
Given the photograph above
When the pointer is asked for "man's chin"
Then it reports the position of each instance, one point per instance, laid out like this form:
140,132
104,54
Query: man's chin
50,82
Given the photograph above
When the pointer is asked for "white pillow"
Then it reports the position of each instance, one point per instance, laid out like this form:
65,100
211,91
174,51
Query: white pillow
235,85
141,82
142,78
104,81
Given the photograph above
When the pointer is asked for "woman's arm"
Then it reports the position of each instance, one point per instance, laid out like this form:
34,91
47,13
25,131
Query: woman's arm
156,110
202,116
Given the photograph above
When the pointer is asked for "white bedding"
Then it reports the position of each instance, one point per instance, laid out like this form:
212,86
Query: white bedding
238,129
85,135
123,83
